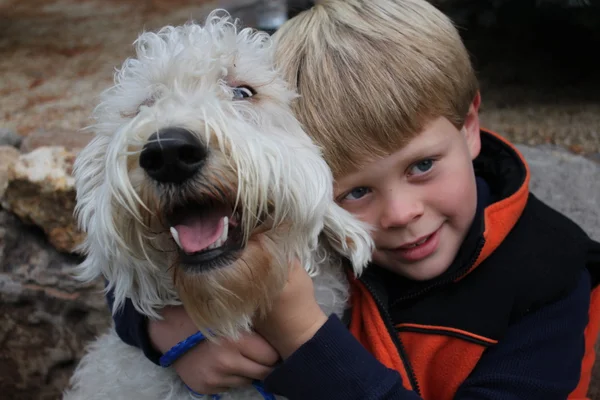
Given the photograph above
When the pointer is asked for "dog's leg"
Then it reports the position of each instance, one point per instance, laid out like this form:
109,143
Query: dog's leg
113,370
348,236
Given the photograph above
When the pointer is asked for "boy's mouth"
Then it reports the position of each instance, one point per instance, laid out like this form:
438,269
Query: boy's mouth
417,242
419,249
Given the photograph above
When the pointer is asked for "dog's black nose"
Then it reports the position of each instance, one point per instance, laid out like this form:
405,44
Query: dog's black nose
172,155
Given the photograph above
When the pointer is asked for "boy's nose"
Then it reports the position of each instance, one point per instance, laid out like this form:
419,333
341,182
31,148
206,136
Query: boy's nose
399,212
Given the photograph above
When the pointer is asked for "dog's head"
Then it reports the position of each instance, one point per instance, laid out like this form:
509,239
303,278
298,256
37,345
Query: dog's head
200,184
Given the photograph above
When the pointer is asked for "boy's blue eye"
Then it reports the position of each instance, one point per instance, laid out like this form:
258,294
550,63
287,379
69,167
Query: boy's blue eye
421,167
357,193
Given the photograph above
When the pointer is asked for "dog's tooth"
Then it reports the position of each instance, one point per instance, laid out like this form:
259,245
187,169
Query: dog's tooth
225,229
216,244
223,238
175,235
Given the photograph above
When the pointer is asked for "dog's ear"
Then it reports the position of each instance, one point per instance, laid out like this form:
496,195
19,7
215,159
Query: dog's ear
349,237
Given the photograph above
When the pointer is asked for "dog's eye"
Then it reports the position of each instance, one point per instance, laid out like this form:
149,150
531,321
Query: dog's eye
243,92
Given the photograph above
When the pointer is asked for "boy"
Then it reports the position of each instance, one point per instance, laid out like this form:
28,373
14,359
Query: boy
477,289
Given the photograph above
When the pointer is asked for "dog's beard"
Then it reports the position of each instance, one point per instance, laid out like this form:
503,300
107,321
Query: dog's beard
224,301
222,289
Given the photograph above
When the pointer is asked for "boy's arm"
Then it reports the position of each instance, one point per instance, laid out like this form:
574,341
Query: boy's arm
132,328
322,359
540,358
334,365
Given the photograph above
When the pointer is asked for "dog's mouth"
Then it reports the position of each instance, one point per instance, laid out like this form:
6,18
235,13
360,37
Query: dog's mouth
208,235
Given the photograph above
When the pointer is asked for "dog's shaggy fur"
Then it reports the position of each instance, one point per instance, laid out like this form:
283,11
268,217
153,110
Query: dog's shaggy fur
249,193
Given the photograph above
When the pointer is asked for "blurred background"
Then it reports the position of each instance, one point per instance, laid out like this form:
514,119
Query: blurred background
536,60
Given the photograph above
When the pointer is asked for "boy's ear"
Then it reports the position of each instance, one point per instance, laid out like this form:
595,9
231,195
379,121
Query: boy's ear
471,127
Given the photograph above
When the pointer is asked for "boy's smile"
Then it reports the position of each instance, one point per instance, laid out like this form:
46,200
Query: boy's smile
420,249
421,200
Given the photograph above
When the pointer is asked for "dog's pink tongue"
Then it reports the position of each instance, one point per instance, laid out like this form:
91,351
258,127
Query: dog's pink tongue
196,232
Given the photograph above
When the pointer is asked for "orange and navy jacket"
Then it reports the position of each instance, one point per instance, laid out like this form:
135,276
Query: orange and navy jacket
515,316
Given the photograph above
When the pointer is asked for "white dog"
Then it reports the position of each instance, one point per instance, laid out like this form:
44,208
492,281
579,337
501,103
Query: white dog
199,189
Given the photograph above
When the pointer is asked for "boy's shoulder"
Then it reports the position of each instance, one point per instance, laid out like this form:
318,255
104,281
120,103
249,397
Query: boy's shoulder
536,251
542,258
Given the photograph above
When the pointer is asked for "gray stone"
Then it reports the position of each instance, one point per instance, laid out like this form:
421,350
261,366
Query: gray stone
567,182
10,138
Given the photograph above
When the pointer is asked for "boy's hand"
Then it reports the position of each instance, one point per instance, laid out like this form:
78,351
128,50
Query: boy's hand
295,316
209,367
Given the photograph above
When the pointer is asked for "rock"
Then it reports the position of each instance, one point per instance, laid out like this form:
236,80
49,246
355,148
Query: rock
8,156
41,191
10,138
72,141
567,182
46,317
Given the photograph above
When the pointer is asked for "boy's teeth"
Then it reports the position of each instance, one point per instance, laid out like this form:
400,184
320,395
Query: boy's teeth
175,236
223,238
420,242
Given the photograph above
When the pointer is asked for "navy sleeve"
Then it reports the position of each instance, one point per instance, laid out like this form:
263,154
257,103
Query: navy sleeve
132,328
334,365
539,358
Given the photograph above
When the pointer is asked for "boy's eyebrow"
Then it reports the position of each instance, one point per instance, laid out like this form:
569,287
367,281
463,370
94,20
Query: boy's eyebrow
430,142
408,154
350,181
426,149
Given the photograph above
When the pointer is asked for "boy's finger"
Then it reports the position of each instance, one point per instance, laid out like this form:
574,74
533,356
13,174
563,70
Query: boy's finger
234,381
257,349
252,370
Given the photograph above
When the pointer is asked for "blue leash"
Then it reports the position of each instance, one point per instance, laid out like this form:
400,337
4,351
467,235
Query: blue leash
182,347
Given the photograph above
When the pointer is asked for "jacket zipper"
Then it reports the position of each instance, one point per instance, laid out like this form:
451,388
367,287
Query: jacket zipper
387,320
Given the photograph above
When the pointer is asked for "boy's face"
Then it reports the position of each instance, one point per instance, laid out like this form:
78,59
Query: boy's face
421,200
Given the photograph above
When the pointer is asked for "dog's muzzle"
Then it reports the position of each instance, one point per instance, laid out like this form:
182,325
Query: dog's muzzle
172,155
206,230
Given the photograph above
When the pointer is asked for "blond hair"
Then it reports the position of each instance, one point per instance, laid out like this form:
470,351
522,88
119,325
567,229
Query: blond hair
372,73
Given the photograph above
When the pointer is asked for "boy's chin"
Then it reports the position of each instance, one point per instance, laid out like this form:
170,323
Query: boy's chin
419,271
